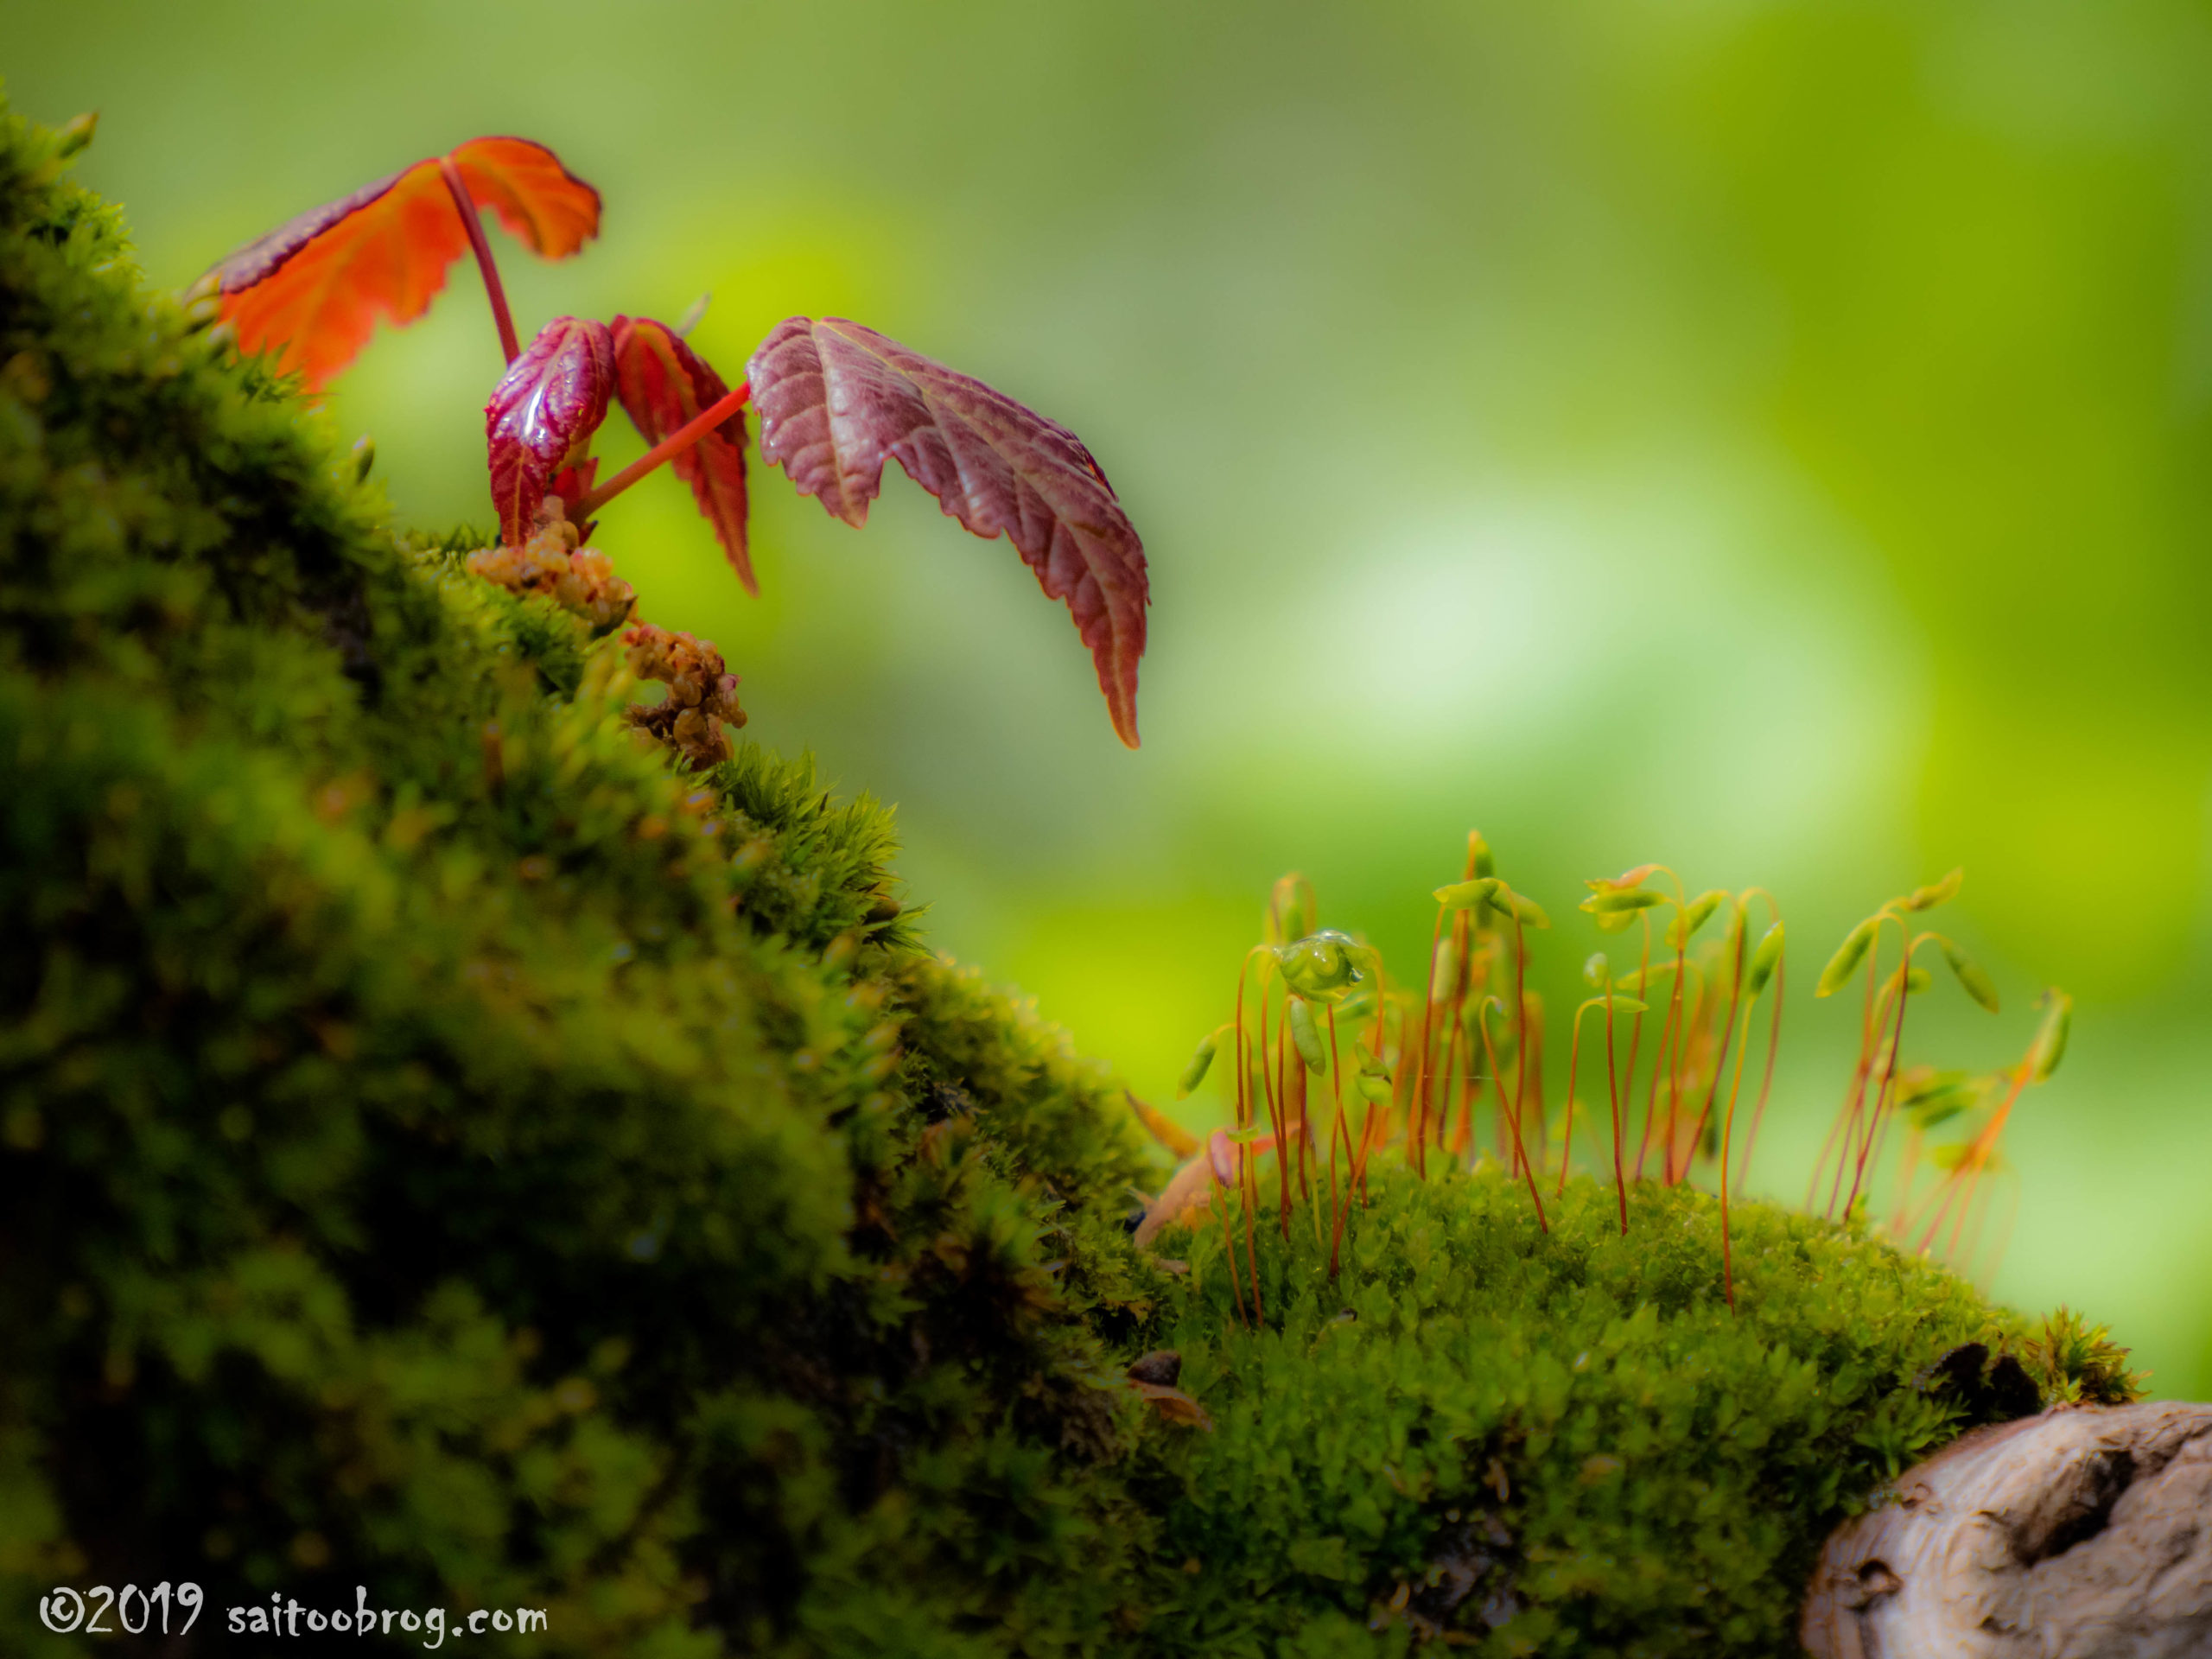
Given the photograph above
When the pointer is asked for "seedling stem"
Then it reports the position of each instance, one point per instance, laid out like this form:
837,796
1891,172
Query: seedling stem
480,247
667,449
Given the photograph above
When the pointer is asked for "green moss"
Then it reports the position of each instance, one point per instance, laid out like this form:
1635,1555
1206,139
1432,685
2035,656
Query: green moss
443,1149
1559,1443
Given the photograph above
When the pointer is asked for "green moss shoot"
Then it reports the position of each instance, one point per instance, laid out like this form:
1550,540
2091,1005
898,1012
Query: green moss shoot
1556,1443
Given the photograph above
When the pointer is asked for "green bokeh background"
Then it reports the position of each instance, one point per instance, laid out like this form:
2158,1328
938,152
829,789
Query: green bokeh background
1772,438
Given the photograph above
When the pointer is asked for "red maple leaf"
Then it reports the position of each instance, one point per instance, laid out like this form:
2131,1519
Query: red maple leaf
313,290
838,400
664,385
542,416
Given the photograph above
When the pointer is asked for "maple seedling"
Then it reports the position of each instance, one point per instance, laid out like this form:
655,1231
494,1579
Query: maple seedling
835,399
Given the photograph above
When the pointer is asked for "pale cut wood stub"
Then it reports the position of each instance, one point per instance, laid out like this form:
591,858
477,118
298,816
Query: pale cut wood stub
2080,1534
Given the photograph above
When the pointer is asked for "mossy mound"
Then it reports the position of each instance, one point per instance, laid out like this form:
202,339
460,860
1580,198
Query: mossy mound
1557,1442
445,1150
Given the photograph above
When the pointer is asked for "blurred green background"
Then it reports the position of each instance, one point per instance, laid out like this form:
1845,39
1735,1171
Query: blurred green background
1766,437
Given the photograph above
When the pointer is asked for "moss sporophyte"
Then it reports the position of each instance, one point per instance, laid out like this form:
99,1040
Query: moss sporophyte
446,1149
1428,1059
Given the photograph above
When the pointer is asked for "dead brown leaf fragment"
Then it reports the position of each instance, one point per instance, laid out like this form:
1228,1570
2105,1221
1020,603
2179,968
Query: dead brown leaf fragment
1153,1377
1174,1404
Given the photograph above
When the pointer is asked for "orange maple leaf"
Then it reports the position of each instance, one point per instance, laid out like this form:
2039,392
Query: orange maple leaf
312,290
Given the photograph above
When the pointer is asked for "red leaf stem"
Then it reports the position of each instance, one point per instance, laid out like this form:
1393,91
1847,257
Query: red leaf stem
472,222
667,449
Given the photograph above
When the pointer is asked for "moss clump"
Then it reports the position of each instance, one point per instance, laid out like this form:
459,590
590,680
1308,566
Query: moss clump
447,1150
1556,1443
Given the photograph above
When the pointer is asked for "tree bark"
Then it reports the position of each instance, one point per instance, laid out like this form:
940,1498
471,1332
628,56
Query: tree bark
2080,1533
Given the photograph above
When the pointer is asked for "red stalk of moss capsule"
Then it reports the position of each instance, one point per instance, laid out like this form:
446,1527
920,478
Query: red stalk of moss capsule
1702,1058
1417,1134
1248,1174
1538,1113
1721,1059
1266,1083
1664,1058
1847,1114
1727,1134
1523,1167
1635,1039
1885,1093
1869,1124
1959,1184
1613,1095
1243,1052
1573,1065
1860,1126
1338,1130
1520,1055
1869,1047
1282,1106
1766,1082
1374,1133
1229,1255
